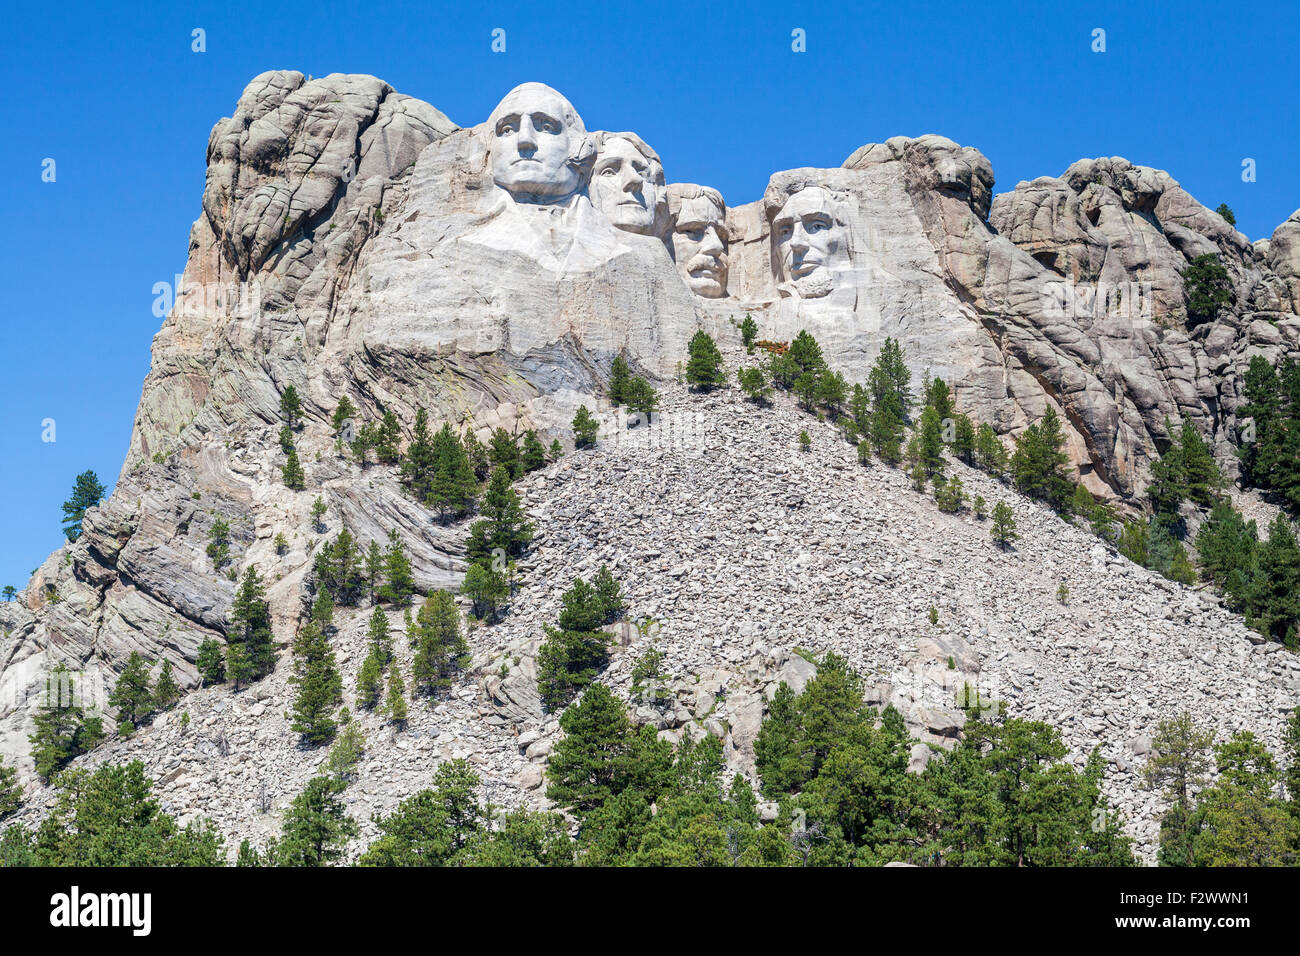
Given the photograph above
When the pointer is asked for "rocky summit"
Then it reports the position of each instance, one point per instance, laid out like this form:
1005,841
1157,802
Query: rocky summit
356,243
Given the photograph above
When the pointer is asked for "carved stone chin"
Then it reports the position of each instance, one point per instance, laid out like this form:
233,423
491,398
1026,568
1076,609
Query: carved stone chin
538,147
699,238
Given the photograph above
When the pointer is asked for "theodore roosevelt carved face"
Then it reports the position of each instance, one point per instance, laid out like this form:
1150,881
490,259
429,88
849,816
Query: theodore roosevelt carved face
627,184
807,238
699,238
538,146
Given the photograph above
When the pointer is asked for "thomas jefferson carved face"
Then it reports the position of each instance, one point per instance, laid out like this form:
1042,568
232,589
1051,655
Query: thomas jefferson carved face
627,185
538,145
700,238
807,238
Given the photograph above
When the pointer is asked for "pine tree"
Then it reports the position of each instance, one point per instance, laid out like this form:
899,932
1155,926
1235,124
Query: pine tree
290,406
453,486
887,383
504,453
250,626
62,729
11,793
132,696
832,390
381,642
477,453
950,496
399,580
322,611
441,652
930,441
218,548
503,525
87,492
1038,462
642,398
533,455
344,411
286,439
239,665
320,689
704,369
748,330
209,663
753,383
609,594
806,355
375,563
1003,529
620,377
166,691
1273,602
370,681
990,453
487,588
294,479
557,450
316,827
585,428
1207,286
805,389
388,441
421,462
575,651
318,509
963,442
395,708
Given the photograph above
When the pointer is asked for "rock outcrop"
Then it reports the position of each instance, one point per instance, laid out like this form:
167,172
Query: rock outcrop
354,241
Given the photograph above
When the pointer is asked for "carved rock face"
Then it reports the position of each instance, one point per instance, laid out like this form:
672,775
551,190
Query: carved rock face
627,186
538,145
699,239
808,238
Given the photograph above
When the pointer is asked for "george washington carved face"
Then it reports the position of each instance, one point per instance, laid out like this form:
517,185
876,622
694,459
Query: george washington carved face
538,146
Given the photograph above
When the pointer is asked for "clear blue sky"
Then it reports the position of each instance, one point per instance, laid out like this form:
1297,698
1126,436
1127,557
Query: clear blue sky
113,93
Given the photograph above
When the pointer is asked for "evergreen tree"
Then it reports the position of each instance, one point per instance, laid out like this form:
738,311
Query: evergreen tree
1177,766
453,486
399,580
620,377
322,611
317,826
250,626
1207,286
388,440
503,452
939,397
381,642
292,472
533,455
370,681
805,389
487,588
753,383
1003,530
419,468
318,509
1239,821
344,412
609,594
320,689
1227,547
166,691
1038,462
704,368
87,492
748,330
132,696
395,709
218,548
375,564
585,428
1273,601
503,525
209,663
62,729
641,397
930,441
440,650
575,651
963,443
831,390
951,495
290,406
990,453
477,454
1226,212
239,665
286,439
890,399
11,793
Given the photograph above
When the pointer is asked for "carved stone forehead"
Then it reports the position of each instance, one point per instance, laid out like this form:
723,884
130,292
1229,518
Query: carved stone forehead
538,98
610,141
811,199
695,200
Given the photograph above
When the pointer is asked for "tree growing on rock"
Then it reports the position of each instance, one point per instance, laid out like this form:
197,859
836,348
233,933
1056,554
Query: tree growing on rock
291,406
62,729
320,689
585,428
132,696
316,827
577,650
620,378
87,492
292,473
210,662
642,398
250,629
1003,530
704,369
1207,288
503,525
748,330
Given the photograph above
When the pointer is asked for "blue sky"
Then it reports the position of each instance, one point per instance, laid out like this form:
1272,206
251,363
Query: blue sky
114,94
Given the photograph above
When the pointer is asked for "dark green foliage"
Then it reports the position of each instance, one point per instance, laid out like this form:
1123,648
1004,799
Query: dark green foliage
1134,541
11,793
316,827
435,826
1226,212
250,628
338,570
294,478
887,383
939,397
620,377
556,451
929,441
291,406
704,368
1177,767
62,728
388,440
1038,464
503,452
419,467
441,653
1273,599
806,355
320,689
87,492
477,453
132,696
370,679
990,453
1227,545
108,818
395,701
1240,821
963,442
1003,530
454,485
748,331
1270,448
343,412
585,428
1207,288
210,663
219,543
641,397
950,496
533,455
832,390
399,580
577,650
286,439
318,509
503,525
487,588
609,594
1186,470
